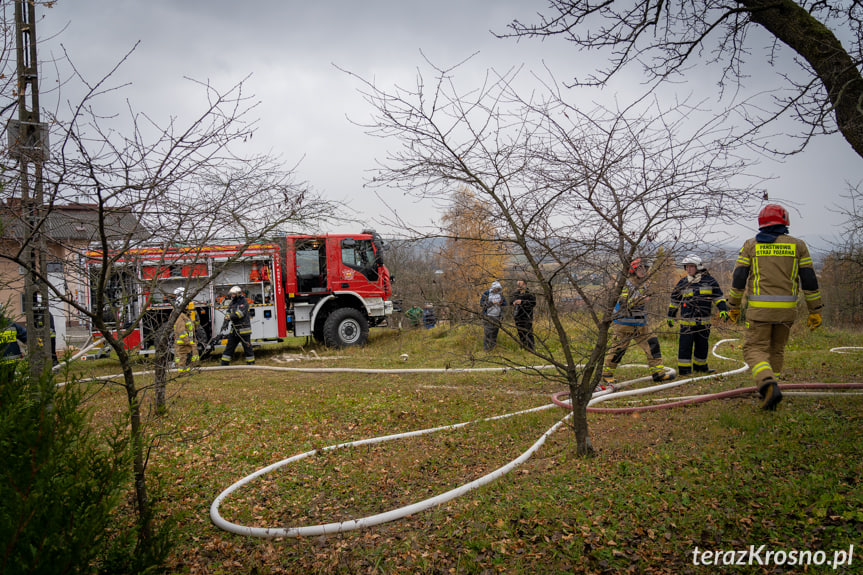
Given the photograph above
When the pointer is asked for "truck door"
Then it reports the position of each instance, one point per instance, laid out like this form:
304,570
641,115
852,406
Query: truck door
311,265
360,271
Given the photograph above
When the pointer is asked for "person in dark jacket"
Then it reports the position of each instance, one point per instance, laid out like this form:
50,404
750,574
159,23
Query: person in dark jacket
523,303
241,328
10,334
694,297
10,351
429,317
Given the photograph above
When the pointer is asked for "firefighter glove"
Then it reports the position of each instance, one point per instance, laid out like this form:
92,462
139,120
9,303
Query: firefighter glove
724,315
814,321
734,315
670,322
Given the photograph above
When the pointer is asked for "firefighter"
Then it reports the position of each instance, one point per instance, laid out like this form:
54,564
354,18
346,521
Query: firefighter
694,296
630,324
185,346
241,328
772,268
10,334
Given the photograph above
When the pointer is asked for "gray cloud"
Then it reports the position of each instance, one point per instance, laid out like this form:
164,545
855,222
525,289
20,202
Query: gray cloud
289,48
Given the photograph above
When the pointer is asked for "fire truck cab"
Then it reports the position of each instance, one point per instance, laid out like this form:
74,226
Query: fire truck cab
336,287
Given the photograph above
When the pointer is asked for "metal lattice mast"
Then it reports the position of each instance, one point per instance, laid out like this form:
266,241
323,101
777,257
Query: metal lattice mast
27,144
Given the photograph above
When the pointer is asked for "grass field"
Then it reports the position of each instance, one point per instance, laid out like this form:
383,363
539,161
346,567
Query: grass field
665,486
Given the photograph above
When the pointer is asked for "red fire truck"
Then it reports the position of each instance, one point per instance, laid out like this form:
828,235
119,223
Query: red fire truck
331,287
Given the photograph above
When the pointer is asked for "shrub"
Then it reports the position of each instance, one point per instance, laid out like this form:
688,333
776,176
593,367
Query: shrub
60,481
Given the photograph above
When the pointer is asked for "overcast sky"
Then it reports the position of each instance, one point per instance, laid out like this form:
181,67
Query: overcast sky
289,49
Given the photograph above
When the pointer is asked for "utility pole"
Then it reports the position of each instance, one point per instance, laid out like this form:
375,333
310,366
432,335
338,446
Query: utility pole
28,145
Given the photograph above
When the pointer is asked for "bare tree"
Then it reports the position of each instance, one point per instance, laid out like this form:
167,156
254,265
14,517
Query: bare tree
842,271
182,183
853,224
669,38
413,265
575,194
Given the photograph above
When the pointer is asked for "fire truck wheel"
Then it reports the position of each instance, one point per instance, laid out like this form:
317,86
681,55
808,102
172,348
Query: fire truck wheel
318,333
346,327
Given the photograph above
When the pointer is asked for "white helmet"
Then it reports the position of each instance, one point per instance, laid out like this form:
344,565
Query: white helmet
692,259
235,291
180,292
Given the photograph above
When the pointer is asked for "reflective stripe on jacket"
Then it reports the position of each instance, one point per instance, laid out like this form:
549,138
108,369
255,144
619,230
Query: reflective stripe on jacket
772,275
629,309
695,299
184,331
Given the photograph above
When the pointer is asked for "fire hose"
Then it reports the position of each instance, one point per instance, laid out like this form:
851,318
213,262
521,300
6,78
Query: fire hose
557,401
368,521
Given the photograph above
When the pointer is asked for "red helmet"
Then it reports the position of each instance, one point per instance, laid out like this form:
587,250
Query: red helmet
773,214
635,264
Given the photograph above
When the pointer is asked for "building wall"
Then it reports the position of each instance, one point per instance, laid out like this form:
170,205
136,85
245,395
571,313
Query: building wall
11,284
70,281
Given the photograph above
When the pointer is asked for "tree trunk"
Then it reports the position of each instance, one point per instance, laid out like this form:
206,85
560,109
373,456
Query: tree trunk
817,44
161,361
142,501
583,445
581,392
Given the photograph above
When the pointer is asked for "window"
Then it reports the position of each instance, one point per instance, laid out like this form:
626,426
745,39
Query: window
311,265
360,255
307,261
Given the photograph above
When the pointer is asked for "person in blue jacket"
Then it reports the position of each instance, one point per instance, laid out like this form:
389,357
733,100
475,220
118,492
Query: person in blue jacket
429,318
630,325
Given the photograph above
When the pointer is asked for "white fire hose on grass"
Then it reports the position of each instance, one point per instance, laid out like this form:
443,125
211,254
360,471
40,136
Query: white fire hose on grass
349,525
392,515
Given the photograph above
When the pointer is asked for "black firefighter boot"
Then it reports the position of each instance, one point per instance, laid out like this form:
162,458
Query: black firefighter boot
770,395
663,376
703,369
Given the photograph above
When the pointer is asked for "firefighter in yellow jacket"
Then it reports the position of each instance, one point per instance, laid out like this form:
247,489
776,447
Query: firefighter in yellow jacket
772,269
185,346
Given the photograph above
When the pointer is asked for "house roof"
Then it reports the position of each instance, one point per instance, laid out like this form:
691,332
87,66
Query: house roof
75,221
